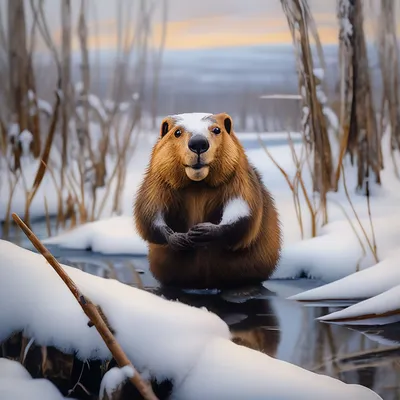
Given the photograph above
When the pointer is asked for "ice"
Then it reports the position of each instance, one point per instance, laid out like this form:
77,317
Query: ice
187,345
17,383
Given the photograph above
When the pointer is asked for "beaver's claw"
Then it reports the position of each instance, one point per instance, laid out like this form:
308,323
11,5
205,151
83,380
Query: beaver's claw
204,233
179,241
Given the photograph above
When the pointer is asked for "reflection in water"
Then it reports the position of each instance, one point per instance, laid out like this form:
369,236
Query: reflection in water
253,323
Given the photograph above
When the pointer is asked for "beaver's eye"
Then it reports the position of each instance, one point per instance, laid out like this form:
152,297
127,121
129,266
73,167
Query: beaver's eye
178,133
216,130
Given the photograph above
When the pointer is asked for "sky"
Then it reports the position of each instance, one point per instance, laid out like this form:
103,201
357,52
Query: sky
196,24
193,24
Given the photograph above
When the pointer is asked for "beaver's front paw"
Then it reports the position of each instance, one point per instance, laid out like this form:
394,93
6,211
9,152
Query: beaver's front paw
204,233
179,241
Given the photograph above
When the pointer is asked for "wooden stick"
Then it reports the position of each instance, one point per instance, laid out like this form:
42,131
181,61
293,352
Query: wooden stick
91,311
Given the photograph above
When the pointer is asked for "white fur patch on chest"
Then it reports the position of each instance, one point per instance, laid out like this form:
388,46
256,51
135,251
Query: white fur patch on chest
159,220
196,123
234,210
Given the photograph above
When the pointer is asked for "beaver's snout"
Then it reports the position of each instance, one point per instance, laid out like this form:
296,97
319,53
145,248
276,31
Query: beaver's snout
198,144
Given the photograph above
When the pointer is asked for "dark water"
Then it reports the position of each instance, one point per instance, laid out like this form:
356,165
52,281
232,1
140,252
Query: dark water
263,318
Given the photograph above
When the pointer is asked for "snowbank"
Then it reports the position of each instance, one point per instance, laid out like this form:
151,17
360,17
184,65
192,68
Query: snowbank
17,383
378,310
243,369
337,252
115,235
171,340
360,285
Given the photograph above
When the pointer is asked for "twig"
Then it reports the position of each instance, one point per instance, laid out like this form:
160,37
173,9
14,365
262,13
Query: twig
91,311
44,157
357,217
48,225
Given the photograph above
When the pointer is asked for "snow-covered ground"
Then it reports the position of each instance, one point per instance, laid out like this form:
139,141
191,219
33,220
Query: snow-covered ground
188,345
17,383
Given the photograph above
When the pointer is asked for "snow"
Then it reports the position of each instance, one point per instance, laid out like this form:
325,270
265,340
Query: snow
17,383
13,129
346,27
241,367
187,345
79,87
319,73
116,235
113,380
359,285
97,105
331,117
46,310
336,252
45,107
378,310
46,189
25,138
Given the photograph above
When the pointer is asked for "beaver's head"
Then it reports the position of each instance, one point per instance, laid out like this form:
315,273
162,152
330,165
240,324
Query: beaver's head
198,147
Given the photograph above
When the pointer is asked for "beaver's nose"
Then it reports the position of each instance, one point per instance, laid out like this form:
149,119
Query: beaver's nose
198,144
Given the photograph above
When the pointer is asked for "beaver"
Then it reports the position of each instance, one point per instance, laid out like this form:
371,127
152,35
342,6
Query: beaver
203,209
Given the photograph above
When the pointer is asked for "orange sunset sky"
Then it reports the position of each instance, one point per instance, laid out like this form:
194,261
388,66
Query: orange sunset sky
201,23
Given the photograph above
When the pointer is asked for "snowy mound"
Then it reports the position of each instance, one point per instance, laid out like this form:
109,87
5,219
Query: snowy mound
360,285
378,310
336,253
17,383
115,235
170,340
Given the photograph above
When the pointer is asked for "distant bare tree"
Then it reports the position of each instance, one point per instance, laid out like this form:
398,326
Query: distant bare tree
363,139
158,63
389,65
314,122
18,66
65,80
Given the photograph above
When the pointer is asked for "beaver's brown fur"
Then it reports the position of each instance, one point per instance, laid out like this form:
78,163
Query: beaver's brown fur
208,219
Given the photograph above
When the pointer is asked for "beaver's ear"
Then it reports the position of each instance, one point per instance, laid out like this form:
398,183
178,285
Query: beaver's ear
164,127
228,123
226,120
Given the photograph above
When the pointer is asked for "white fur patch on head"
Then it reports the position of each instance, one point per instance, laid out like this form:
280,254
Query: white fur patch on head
235,209
195,123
